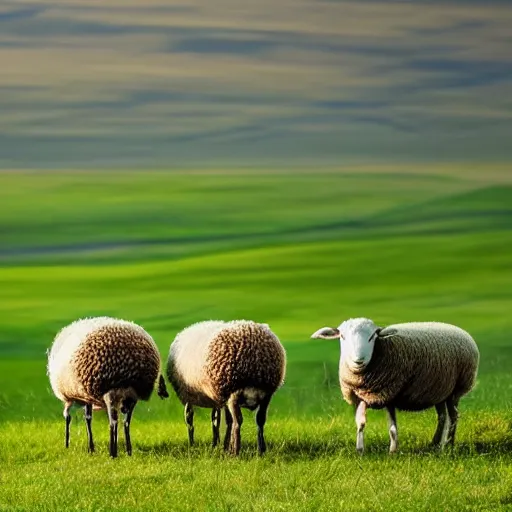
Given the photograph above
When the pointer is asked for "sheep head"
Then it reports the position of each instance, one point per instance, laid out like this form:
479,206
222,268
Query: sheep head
357,340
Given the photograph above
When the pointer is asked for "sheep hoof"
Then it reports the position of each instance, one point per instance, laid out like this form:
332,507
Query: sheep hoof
436,447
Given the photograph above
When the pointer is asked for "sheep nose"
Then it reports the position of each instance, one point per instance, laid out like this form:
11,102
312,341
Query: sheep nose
358,362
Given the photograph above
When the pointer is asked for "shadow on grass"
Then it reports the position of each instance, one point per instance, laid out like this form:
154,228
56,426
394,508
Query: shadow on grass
180,450
315,449
287,451
466,449
291,451
495,447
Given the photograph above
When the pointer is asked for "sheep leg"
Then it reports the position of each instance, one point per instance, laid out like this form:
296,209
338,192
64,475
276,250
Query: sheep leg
88,424
261,418
128,407
112,418
453,413
360,423
236,413
393,429
216,416
189,420
229,427
67,418
113,452
441,424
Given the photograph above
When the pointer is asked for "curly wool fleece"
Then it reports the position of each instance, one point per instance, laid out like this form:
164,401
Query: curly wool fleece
95,355
209,361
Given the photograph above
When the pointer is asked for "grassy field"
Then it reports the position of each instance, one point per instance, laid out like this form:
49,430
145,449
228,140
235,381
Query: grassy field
298,251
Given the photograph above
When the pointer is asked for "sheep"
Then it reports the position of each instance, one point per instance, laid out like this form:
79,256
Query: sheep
217,364
104,363
410,367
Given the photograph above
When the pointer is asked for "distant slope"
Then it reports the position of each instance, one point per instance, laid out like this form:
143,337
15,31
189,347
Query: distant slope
125,216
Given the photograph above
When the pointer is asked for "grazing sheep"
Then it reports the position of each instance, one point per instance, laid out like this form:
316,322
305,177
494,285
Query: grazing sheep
104,363
410,367
234,364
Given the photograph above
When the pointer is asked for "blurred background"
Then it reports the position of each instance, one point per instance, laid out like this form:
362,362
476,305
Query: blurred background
189,83
295,163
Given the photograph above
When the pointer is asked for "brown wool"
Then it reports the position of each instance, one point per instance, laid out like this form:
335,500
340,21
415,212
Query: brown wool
240,355
111,357
227,365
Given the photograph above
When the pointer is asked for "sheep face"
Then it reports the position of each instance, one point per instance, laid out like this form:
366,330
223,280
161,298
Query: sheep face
357,340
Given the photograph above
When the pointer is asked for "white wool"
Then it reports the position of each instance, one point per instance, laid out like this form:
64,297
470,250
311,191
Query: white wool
70,338
190,348
356,335
413,329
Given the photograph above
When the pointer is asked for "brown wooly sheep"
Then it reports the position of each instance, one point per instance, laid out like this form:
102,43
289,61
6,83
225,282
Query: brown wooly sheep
104,363
410,367
235,364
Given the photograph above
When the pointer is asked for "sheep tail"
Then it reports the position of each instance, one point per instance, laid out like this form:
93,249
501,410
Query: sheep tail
162,388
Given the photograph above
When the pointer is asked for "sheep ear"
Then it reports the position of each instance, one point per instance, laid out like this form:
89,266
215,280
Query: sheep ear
326,333
376,333
386,331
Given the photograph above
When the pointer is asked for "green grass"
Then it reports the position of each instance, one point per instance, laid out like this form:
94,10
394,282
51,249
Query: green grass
297,251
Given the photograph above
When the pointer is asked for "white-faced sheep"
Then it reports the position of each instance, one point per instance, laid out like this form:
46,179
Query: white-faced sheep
410,367
104,363
236,364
